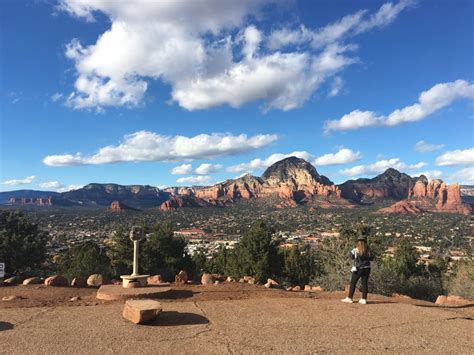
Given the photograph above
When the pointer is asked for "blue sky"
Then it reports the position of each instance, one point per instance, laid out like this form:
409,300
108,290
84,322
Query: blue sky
184,93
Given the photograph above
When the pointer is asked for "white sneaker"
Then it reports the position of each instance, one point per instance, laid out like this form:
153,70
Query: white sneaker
363,301
347,300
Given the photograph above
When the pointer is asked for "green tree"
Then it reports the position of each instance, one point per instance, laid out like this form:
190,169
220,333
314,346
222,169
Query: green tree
257,253
405,260
120,253
165,254
22,244
202,264
84,260
299,265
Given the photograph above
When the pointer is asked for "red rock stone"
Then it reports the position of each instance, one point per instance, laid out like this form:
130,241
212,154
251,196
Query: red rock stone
207,279
181,278
56,281
79,282
141,311
154,280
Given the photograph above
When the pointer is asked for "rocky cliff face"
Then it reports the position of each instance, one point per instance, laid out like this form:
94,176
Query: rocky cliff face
39,201
294,181
104,194
175,202
446,198
392,184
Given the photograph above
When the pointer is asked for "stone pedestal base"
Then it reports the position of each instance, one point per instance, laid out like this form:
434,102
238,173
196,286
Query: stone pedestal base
130,281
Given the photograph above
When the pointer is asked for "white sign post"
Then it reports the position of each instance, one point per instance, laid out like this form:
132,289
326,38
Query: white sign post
2,273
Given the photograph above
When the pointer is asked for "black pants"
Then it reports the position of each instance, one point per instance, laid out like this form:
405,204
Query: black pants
362,274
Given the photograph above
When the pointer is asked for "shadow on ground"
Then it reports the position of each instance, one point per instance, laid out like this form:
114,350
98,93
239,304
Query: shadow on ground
173,318
5,326
176,294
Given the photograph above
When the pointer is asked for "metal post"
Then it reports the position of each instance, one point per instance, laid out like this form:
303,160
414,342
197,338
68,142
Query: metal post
135,258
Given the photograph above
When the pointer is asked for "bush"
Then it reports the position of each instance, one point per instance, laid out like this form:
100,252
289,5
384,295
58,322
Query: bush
22,244
84,260
462,282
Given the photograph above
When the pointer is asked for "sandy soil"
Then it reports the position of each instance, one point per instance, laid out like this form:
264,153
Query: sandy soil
232,318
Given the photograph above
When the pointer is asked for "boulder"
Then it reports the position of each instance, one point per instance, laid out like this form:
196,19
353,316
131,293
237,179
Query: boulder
141,311
95,280
207,279
219,277
289,288
272,284
10,298
317,288
441,300
56,281
181,278
11,280
452,300
307,288
79,282
249,279
154,280
230,279
241,280
32,281
296,288
75,299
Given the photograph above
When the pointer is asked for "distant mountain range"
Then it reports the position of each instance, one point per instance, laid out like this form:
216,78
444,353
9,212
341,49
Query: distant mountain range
287,183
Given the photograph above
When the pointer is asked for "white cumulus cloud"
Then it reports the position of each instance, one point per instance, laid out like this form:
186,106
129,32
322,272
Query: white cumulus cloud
195,180
149,146
379,167
464,176
203,169
210,53
25,181
343,156
425,147
430,101
257,164
456,157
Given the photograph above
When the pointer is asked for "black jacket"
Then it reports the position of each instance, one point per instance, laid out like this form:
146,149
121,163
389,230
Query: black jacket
361,261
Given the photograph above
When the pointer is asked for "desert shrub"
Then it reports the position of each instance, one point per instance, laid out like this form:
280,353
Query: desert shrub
22,244
384,280
422,288
84,260
462,282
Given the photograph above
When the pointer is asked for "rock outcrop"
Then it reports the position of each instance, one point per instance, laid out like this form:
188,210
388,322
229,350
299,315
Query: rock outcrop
391,185
117,206
292,181
402,207
439,196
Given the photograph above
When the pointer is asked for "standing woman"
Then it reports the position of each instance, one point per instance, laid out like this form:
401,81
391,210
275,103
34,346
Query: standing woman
361,257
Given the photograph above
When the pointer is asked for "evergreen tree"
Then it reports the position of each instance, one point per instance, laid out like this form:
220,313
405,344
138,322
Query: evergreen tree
22,244
405,260
84,260
120,253
299,265
257,252
164,253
